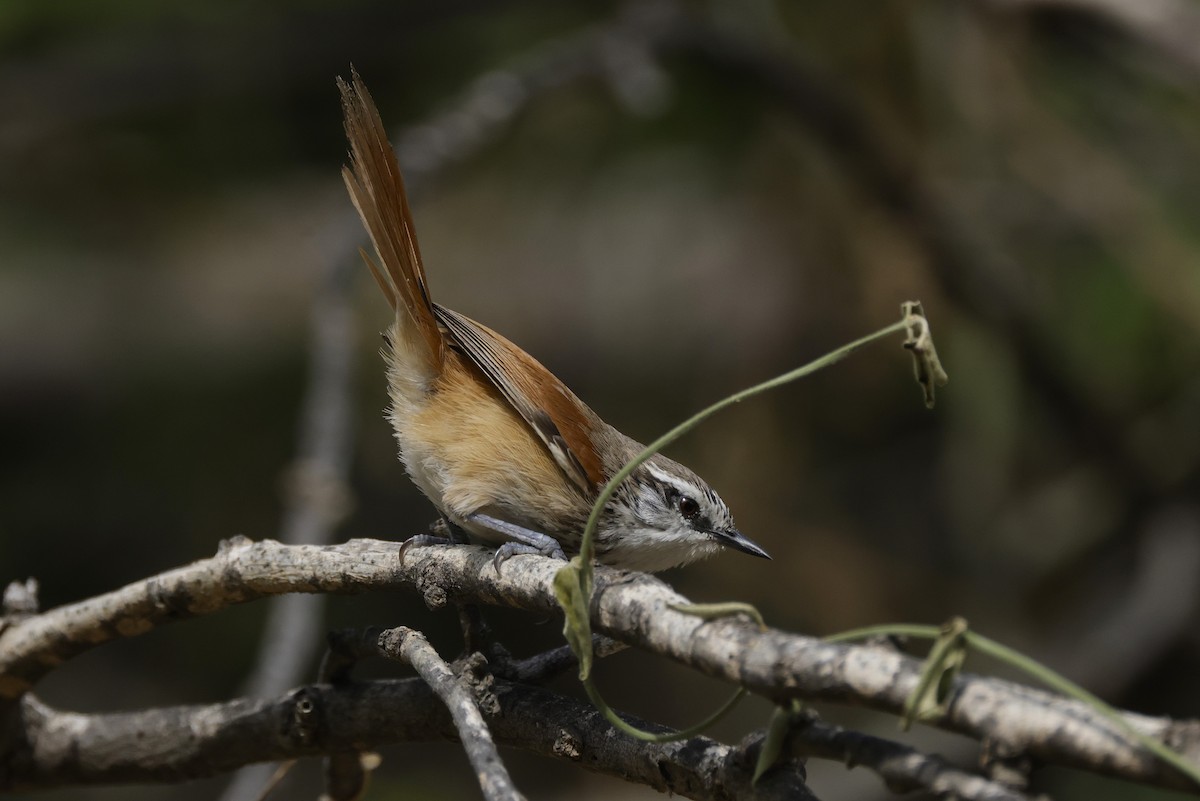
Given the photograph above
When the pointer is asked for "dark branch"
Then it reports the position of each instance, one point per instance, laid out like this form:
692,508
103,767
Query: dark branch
178,743
902,768
1169,28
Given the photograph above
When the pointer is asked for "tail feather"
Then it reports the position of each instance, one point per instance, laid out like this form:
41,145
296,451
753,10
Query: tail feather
377,190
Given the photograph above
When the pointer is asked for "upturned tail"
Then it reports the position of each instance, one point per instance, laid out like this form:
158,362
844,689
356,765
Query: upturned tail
377,190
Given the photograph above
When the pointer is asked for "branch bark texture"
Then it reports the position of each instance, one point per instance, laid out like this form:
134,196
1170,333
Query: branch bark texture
629,607
188,742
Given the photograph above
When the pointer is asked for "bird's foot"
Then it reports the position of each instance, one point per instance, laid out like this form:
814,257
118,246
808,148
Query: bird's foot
521,540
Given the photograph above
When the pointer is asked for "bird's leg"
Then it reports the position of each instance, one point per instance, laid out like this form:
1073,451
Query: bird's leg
521,540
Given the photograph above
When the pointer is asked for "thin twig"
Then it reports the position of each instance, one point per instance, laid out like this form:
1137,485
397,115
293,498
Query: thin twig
410,646
548,664
349,646
406,645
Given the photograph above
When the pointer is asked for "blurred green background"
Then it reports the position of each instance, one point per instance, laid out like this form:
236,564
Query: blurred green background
662,212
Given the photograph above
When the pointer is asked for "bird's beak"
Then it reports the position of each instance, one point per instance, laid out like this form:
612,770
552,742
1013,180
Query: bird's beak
732,538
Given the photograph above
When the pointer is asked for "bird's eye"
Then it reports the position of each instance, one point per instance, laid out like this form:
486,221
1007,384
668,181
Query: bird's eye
688,508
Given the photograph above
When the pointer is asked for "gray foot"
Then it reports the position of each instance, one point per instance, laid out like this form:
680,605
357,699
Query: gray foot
522,540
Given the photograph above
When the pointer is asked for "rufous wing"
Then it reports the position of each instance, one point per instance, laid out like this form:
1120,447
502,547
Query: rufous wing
562,421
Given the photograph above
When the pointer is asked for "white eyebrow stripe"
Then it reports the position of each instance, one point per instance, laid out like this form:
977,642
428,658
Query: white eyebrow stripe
667,478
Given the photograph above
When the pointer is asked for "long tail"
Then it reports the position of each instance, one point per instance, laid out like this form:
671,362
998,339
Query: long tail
377,190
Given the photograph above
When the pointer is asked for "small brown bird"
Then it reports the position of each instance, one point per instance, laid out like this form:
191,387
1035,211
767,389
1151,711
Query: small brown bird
505,450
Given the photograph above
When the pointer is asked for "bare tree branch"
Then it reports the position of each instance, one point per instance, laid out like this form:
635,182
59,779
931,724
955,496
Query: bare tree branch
238,573
177,743
633,608
406,645
317,501
902,768
1168,27
318,494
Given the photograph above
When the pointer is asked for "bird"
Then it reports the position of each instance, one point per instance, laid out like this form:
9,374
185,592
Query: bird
504,450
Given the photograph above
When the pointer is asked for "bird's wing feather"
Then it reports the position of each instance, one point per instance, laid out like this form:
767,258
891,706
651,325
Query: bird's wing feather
563,423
